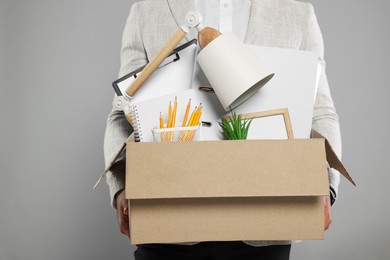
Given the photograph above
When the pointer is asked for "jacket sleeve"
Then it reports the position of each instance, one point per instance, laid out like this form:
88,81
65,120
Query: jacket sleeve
118,129
325,118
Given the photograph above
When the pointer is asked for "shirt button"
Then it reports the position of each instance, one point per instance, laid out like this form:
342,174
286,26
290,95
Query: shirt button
226,5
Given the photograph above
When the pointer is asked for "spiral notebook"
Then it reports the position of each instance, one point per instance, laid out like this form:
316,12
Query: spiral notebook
145,114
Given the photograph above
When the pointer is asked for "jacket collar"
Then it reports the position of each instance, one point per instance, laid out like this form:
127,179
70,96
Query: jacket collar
261,17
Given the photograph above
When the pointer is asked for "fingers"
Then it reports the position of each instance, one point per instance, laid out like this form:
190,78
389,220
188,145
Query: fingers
123,222
126,210
122,214
327,213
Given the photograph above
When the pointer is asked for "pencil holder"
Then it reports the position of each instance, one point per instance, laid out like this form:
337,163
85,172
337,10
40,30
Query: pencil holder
176,134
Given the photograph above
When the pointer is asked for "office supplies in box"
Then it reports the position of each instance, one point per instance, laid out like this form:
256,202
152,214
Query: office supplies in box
213,191
210,190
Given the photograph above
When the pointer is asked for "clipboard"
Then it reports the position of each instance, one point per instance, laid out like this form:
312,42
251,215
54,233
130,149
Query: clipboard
173,75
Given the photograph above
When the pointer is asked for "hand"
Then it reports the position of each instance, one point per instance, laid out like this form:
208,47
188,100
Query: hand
122,213
327,212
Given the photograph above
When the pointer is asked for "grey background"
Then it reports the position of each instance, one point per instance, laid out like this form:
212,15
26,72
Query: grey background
57,62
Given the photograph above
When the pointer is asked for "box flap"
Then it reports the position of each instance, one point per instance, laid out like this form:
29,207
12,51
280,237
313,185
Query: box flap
332,158
113,161
226,169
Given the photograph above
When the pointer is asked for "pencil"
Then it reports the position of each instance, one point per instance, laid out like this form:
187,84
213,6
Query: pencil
190,122
169,123
162,136
186,113
198,115
192,117
195,122
174,113
183,124
161,121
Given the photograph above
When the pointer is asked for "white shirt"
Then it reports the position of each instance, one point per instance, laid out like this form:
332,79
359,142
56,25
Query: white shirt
225,15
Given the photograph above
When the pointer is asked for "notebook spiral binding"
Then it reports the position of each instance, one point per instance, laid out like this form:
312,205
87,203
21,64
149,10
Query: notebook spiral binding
134,117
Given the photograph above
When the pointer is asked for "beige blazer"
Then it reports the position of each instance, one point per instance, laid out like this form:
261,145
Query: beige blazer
277,23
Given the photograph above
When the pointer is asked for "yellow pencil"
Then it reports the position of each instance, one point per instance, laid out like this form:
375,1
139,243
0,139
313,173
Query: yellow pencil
198,115
195,122
183,124
192,117
162,136
161,121
169,122
169,115
186,113
190,122
174,113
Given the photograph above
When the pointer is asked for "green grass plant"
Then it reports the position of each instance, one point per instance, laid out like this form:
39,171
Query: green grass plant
234,127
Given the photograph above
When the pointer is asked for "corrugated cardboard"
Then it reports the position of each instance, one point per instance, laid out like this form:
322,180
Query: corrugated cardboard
228,190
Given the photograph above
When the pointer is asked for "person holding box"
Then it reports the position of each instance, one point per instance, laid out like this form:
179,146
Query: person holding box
275,23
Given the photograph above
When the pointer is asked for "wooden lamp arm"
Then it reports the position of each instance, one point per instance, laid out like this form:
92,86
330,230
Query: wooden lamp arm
156,61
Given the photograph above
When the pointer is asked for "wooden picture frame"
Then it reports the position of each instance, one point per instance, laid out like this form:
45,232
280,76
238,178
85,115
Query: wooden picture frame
275,112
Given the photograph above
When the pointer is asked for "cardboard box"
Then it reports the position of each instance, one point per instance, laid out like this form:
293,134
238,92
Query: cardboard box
228,190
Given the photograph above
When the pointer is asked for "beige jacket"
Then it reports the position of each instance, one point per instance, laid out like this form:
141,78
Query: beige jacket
276,23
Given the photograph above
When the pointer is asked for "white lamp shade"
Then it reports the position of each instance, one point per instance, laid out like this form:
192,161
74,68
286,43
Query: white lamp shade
234,72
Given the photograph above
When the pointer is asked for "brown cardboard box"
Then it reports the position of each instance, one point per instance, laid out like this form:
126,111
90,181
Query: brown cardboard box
228,190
